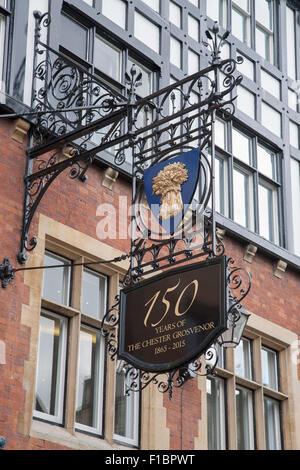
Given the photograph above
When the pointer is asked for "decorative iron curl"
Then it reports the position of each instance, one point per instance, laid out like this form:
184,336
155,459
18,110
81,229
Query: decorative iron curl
239,282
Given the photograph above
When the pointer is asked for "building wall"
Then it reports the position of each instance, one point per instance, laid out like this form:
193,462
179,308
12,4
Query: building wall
67,215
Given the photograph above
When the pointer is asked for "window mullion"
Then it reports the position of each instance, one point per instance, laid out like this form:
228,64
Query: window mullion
73,346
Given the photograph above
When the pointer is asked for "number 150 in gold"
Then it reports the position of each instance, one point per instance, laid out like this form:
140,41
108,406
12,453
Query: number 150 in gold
154,300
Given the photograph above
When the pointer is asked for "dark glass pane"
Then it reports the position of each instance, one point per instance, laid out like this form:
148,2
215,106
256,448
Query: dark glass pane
73,37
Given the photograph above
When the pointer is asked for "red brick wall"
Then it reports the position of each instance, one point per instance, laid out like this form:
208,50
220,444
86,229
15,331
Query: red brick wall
75,204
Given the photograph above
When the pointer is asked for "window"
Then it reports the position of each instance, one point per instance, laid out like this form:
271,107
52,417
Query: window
116,11
242,197
126,409
243,359
252,171
89,402
107,58
147,78
243,403
175,14
295,176
272,424
56,281
244,419
216,429
81,396
216,10
291,41
70,29
93,294
147,32
241,20
241,146
51,367
89,2
269,368
264,13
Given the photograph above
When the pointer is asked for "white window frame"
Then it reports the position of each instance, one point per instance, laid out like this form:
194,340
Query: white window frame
58,419
82,427
136,415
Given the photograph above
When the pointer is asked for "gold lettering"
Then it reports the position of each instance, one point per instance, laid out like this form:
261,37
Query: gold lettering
196,286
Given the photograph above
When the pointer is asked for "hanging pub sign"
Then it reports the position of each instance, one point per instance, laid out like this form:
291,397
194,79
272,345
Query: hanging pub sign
172,319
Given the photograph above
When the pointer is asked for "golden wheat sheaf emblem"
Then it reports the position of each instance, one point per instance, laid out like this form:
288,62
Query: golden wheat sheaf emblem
168,183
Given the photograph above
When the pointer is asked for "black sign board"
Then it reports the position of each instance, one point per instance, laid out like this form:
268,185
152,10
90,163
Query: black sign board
169,320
